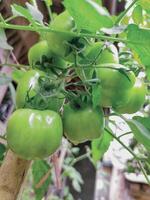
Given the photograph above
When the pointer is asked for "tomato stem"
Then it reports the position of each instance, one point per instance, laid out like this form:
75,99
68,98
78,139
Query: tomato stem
122,15
73,34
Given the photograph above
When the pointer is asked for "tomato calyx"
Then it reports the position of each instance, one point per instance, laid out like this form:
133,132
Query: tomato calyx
48,90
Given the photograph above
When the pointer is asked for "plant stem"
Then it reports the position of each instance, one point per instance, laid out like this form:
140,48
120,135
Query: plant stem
49,10
124,134
73,34
121,16
80,158
132,153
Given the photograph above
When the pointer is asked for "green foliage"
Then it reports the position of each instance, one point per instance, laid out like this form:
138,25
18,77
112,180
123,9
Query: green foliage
39,169
17,75
145,4
31,13
88,15
137,14
139,42
100,146
141,130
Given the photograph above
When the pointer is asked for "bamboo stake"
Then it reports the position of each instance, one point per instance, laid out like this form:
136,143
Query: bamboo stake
12,174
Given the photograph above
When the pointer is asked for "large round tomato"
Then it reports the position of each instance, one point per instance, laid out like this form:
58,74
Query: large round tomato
115,85
34,134
28,88
136,99
58,41
95,54
82,124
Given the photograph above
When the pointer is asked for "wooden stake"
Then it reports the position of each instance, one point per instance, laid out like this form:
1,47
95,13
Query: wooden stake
12,175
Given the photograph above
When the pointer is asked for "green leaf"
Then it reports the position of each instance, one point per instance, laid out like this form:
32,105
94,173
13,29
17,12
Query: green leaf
140,131
96,95
143,120
4,80
144,3
39,169
22,12
17,75
3,41
100,146
139,42
88,15
36,14
137,15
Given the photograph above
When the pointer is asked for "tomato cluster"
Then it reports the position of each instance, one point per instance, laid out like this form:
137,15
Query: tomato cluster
56,94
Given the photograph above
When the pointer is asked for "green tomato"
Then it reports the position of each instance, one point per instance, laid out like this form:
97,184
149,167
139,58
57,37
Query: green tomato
94,54
83,124
34,134
41,57
115,85
38,52
28,87
136,99
57,41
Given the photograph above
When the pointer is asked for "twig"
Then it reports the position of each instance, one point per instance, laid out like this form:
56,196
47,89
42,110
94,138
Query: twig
55,161
43,179
132,153
121,16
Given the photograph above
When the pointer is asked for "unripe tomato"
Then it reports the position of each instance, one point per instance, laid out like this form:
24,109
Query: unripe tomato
38,52
29,85
136,99
115,84
41,57
57,41
82,124
94,54
34,134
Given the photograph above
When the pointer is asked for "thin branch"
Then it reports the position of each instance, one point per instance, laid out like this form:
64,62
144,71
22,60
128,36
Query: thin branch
121,16
73,34
49,10
132,153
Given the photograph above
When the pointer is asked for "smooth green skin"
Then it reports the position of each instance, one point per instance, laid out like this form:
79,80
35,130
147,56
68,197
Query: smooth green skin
115,86
92,53
29,83
42,49
136,99
33,134
83,124
37,51
56,41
